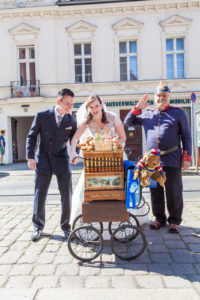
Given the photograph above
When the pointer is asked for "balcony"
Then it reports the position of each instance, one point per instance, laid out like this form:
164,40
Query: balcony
29,89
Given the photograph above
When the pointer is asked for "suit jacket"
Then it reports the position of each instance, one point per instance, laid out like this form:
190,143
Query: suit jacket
51,154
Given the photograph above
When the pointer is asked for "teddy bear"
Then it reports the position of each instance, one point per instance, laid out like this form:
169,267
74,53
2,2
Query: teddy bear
149,166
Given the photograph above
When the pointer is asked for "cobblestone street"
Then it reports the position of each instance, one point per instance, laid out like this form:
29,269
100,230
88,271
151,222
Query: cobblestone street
169,267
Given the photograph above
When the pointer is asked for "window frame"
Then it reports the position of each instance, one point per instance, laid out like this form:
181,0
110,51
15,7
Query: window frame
82,57
128,54
27,61
174,52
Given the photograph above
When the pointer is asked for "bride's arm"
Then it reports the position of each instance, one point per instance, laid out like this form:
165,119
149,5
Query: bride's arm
80,130
121,133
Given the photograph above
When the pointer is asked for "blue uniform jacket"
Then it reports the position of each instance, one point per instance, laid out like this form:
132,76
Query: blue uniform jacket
51,154
173,131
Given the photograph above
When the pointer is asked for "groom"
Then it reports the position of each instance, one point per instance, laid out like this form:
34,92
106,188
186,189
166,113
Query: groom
54,127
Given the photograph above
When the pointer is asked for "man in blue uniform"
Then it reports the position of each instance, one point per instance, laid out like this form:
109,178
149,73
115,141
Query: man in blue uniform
167,129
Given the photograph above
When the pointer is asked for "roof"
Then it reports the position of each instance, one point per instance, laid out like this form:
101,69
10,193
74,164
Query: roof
79,2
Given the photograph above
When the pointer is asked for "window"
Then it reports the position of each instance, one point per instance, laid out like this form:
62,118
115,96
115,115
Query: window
83,62
26,66
128,60
175,58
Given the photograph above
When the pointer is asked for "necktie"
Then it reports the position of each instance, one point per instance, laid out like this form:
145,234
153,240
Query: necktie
59,120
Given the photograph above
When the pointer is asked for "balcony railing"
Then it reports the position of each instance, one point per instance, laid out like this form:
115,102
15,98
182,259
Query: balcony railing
31,88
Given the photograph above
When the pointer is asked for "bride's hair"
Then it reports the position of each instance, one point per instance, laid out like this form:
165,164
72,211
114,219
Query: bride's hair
91,99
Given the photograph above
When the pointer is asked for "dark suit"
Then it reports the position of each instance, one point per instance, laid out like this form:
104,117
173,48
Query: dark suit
51,158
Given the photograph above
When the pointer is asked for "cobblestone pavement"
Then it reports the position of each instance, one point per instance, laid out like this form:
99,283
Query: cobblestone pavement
168,268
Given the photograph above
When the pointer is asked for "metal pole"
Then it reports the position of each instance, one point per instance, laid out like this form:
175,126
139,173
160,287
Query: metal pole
192,130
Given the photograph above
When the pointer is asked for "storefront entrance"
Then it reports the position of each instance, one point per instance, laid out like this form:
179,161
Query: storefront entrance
134,138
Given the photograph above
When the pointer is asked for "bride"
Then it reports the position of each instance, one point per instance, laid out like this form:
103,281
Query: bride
92,117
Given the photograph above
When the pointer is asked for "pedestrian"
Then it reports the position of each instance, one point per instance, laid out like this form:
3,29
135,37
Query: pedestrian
166,128
55,127
2,146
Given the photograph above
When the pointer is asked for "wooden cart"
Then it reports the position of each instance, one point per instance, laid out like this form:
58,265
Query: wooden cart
104,201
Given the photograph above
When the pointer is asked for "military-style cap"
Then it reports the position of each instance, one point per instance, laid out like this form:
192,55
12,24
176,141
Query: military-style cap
161,88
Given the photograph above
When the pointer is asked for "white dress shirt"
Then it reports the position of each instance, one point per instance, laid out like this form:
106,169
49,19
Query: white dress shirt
57,115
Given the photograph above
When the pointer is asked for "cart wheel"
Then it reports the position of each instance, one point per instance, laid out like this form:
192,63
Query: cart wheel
112,226
141,204
79,222
128,242
85,243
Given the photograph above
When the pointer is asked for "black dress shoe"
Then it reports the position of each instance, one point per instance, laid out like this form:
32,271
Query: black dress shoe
36,235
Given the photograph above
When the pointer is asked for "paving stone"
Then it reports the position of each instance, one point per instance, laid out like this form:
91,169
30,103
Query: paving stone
163,269
157,248
146,281
23,269
45,282
183,269
63,259
89,271
161,257
4,269
3,280
3,250
97,282
176,282
194,247
28,258
112,271
46,258
175,244
71,282
135,269
52,248
123,282
10,257
197,267
19,246
47,269
20,282
172,237
67,270
182,255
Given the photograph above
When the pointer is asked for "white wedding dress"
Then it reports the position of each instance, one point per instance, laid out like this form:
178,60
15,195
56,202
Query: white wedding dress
78,194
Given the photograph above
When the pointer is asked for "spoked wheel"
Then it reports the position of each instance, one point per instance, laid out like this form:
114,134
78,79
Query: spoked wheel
128,242
79,222
112,226
85,243
141,204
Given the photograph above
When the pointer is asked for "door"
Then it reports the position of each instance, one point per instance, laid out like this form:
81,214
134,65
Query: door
133,139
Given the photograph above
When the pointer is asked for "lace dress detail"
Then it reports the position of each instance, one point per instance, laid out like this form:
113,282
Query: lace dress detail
113,121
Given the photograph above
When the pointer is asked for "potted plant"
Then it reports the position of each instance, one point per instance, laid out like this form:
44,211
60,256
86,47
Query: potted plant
32,91
19,93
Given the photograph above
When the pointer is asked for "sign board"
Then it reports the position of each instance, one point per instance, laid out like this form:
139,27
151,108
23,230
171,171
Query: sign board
193,97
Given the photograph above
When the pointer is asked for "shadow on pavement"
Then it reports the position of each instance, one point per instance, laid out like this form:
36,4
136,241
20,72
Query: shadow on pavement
167,254
4,174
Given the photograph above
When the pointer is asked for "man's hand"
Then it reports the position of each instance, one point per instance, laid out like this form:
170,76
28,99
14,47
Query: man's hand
185,165
74,159
142,103
32,164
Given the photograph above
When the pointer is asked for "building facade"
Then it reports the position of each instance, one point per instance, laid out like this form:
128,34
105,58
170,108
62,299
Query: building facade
119,50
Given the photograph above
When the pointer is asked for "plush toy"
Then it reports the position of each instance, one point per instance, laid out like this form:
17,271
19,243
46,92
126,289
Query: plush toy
149,166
